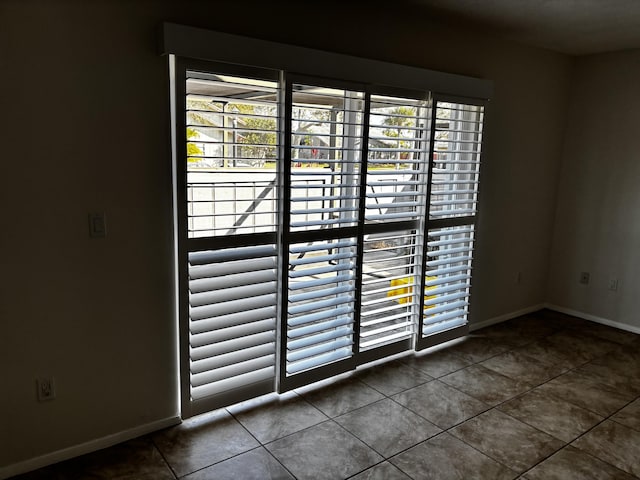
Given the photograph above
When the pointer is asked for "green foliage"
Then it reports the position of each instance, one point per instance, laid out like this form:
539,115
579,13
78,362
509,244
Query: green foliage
399,119
256,131
192,148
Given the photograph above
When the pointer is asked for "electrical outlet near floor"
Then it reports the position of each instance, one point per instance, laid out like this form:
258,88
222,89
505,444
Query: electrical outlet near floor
584,278
46,389
613,284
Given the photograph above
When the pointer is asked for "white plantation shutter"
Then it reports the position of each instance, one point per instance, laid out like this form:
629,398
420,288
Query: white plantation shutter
457,137
343,211
395,205
231,199
322,225
448,278
388,311
232,300
397,159
324,199
326,126
231,131
321,303
456,160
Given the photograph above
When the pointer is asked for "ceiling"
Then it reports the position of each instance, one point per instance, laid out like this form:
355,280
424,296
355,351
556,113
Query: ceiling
576,27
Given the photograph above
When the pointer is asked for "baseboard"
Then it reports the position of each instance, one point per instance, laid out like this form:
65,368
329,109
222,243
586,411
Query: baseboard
505,317
87,447
593,318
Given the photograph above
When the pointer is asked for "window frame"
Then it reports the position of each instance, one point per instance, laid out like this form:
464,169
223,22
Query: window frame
191,48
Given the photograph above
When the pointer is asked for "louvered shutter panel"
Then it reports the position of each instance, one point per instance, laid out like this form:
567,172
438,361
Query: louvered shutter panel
320,304
232,300
395,204
448,278
457,137
397,159
231,152
324,179
456,160
350,242
232,199
326,125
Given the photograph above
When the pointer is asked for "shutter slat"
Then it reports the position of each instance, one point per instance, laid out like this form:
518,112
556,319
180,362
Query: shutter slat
316,339
229,268
319,258
224,334
330,357
434,319
318,327
233,345
329,268
235,357
444,298
320,304
366,345
448,261
234,306
321,246
388,318
387,328
301,284
232,281
254,376
447,288
447,271
230,256
210,324
314,317
232,293
443,280
451,251
222,373
453,321
303,297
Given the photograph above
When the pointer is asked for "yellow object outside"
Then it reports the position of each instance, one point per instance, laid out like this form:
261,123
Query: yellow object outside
403,287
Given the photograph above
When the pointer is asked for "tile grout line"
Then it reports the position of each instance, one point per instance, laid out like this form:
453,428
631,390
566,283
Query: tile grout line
155,445
260,444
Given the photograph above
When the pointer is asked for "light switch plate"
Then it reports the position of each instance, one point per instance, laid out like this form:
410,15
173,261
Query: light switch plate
97,225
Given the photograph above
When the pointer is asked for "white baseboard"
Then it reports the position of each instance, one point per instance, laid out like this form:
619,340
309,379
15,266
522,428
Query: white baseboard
87,447
505,317
593,318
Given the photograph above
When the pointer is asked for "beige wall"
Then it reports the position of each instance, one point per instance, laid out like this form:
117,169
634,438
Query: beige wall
598,217
85,127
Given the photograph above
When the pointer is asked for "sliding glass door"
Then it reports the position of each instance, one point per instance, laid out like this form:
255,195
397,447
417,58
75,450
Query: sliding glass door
321,225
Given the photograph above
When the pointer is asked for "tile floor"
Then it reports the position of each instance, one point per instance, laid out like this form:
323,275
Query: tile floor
544,396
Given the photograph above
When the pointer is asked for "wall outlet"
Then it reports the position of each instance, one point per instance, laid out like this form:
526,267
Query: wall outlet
584,278
613,284
45,389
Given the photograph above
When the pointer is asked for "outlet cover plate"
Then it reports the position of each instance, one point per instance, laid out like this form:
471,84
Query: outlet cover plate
45,389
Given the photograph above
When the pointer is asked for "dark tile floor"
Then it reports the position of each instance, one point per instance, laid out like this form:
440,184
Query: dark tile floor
544,396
